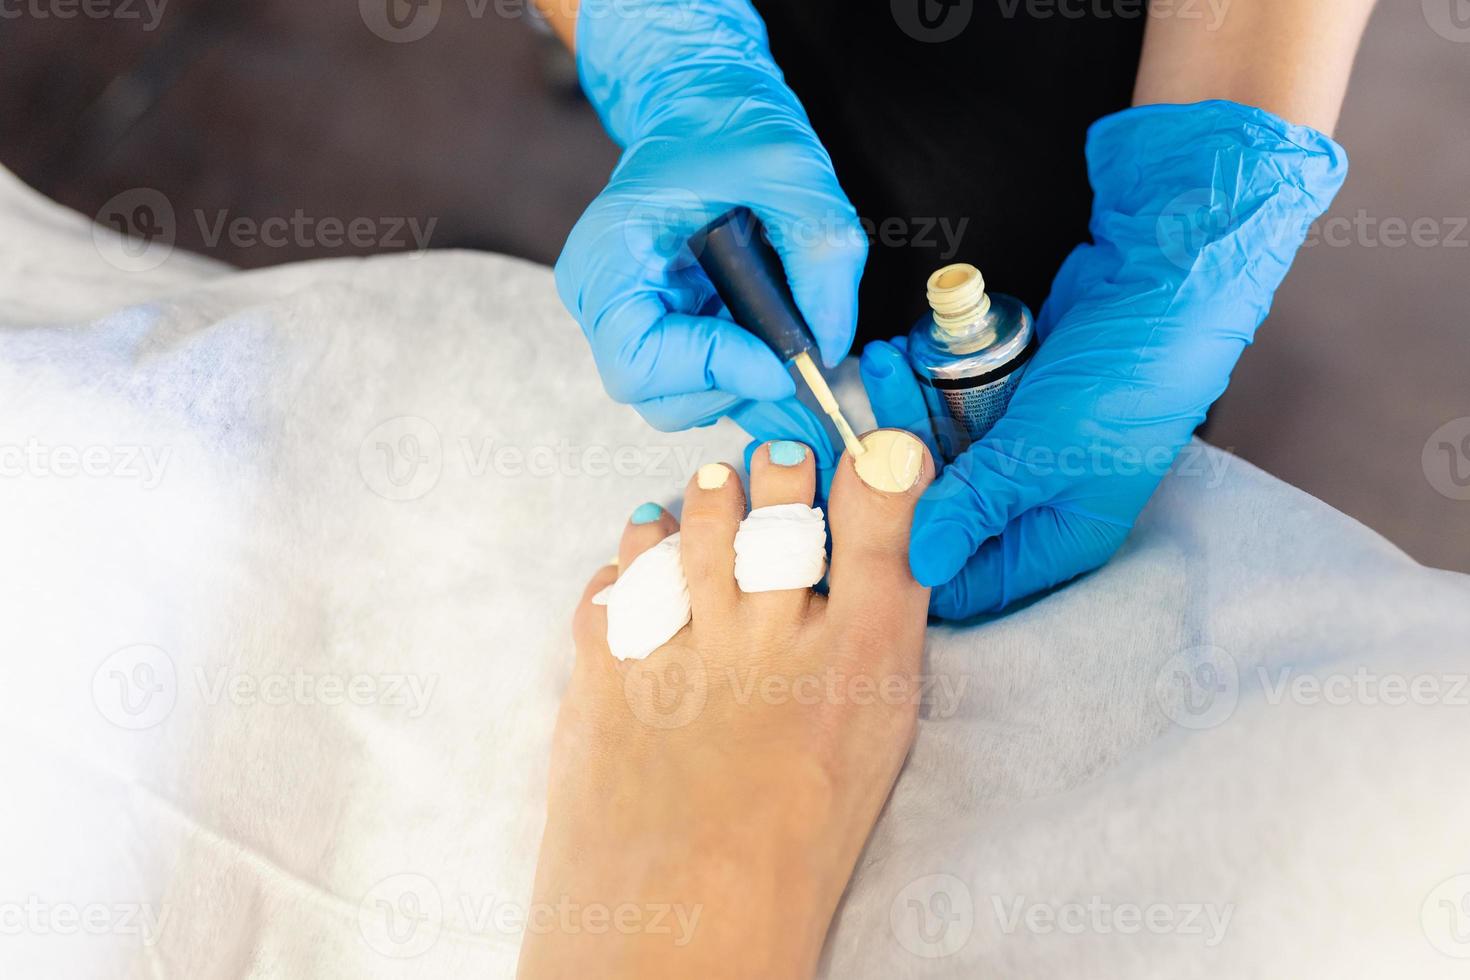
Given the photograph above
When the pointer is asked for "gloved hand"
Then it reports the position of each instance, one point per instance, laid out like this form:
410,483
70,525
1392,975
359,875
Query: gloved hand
689,89
1198,211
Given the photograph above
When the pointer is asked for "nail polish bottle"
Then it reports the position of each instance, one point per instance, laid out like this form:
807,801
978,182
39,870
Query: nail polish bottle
969,354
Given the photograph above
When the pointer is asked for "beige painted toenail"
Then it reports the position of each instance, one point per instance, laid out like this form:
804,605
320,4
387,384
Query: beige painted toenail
892,462
712,476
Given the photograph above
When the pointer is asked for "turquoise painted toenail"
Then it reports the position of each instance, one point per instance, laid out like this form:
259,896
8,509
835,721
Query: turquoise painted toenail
786,453
647,513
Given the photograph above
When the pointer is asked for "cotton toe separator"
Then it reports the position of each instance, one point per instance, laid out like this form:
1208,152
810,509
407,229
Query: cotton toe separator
649,602
781,547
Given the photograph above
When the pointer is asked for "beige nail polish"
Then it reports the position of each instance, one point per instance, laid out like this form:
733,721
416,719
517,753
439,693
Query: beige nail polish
712,476
893,461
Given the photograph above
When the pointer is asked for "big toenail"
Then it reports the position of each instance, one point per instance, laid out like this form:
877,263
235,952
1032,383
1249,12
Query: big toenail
892,462
712,476
647,514
786,453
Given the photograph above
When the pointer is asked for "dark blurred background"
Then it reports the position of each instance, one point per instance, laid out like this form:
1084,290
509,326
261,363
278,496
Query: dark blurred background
1357,390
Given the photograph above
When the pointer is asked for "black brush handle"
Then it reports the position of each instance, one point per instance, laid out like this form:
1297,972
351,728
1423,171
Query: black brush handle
735,253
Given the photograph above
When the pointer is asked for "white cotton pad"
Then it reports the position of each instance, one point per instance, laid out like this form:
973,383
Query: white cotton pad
648,603
781,547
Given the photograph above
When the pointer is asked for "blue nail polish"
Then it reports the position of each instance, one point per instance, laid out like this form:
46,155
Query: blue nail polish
786,453
647,513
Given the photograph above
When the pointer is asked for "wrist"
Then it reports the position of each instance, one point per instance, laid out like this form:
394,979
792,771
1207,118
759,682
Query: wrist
1224,150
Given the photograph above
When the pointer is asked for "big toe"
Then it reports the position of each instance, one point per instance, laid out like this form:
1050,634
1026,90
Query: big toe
871,512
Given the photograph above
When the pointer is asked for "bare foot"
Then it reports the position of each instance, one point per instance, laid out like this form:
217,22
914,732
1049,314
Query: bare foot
707,804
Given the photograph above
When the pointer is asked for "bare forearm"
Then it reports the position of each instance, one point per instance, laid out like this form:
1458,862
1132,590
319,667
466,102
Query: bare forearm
1290,57
561,15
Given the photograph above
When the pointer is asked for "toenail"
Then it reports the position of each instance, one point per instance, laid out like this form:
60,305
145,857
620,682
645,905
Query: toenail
712,476
787,453
892,462
647,513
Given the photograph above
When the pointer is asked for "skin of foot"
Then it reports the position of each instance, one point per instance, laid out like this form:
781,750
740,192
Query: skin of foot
707,805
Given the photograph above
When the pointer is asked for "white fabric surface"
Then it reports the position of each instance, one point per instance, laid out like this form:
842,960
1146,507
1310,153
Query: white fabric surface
287,693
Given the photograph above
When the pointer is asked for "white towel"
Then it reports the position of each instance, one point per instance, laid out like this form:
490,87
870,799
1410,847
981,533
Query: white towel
282,663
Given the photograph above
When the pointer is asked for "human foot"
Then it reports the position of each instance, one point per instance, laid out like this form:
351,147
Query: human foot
707,804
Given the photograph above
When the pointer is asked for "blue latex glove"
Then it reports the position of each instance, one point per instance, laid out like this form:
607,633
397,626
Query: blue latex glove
689,89
1198,211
